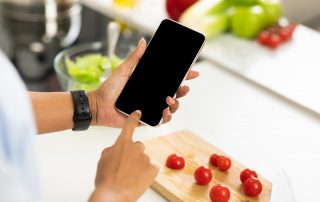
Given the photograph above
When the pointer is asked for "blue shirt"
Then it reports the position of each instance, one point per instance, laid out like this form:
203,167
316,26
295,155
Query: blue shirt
18,173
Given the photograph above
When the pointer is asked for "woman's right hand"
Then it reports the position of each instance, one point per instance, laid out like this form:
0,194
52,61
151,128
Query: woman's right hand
124,170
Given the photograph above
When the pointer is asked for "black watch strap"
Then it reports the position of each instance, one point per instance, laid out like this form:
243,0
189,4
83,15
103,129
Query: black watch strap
82,115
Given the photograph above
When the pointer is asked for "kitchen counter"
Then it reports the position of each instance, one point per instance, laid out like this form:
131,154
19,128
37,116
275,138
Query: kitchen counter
256,127
290,71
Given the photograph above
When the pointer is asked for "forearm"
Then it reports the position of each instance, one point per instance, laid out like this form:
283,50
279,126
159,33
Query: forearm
53,111
101,194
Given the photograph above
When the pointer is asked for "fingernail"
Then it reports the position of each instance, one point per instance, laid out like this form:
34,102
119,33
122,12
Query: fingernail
141,40
171,101
139,112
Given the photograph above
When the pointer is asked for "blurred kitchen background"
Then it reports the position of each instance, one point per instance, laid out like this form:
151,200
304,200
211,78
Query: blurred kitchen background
34,31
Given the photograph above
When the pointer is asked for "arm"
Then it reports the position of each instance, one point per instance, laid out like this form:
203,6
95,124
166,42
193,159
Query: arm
101,194
54,111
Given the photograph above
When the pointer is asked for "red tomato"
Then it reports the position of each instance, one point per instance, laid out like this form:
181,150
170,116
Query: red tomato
285,34
175,161
264,37
214,160
292,27
224,163
219,193
246,173
203,175
252,187
274,41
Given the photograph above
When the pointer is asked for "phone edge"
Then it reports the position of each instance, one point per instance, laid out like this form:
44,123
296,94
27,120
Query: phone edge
185,76
193,62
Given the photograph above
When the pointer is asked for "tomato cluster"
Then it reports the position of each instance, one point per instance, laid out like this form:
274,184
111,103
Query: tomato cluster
275,35
251,185
220,161
203,176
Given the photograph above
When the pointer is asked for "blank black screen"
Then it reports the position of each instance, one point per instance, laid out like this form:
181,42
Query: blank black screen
160,71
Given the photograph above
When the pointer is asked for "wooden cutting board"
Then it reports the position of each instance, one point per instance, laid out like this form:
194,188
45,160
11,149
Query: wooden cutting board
179,185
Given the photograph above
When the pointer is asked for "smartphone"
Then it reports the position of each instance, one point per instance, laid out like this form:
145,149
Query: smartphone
161,70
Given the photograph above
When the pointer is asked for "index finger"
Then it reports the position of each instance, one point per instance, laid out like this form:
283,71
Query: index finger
131,123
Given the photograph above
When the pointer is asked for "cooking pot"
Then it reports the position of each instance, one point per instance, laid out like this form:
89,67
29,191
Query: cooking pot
37,30
46,19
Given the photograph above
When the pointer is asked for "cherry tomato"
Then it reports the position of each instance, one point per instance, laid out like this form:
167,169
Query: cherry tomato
203,175
285,34
224,163
274,41
219,193
214,160
175,161
252,187
246,173
264,37
292,27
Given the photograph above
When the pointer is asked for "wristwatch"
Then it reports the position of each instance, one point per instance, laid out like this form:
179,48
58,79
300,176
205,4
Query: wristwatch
81,116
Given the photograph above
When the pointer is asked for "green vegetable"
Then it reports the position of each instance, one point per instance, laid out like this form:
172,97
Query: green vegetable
207,16
248,21
244,18
115,61
273,10
88,69
245,2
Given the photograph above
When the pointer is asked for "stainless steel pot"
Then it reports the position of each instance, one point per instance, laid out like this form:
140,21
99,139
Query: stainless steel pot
49,14
37,30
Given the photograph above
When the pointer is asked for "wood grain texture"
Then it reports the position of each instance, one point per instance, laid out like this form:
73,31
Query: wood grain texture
179,185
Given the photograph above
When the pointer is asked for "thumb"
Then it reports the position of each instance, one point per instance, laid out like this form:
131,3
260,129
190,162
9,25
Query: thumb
135,56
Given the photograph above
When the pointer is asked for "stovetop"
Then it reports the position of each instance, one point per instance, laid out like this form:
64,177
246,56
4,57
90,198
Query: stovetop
37,70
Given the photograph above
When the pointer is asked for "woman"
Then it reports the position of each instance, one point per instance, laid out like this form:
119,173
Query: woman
124,171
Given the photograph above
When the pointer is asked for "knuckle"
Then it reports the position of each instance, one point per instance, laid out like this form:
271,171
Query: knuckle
140,146
146,159
105,151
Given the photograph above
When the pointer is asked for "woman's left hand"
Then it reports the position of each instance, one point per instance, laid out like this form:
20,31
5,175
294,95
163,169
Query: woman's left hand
102,101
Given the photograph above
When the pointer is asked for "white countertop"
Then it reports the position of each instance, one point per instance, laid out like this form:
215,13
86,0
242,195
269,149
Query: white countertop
254,126
291,71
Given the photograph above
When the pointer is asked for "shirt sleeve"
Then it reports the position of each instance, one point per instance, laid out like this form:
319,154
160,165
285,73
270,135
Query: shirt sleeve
12,187
18,165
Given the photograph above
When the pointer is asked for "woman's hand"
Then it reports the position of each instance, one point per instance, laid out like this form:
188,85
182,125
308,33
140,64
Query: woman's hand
124,170
102,101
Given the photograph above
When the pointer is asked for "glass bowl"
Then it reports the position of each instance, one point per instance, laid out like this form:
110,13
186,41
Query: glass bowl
69,58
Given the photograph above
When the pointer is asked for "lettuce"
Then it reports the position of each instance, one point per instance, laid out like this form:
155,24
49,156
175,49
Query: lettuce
88,69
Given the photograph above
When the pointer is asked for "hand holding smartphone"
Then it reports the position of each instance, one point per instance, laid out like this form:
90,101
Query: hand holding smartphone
168,58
